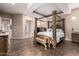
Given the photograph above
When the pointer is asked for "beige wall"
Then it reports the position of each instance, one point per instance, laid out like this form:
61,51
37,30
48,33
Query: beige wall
41,24
19,22
72,23
17,27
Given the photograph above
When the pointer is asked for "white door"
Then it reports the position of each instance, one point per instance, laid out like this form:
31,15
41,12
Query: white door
7,26
28,28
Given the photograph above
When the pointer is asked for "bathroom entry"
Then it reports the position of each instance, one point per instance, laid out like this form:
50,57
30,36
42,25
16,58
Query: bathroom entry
7,26
28,28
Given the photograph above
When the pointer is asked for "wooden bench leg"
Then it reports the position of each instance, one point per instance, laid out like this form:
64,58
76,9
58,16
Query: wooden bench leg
48,44
45,46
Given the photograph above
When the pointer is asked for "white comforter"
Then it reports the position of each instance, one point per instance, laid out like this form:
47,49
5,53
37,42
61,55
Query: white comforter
59,34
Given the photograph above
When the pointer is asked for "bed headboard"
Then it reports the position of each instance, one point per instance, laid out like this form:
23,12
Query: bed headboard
40,29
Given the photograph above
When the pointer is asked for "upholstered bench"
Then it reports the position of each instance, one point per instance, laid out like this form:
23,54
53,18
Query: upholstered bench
43,40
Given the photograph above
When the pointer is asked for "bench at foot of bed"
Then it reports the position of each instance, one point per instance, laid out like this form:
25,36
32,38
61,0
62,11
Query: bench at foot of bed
43,41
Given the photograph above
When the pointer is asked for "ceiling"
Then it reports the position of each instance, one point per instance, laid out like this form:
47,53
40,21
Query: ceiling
44,8
18,8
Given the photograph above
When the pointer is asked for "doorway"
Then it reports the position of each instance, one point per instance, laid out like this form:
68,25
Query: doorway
7,26
28,28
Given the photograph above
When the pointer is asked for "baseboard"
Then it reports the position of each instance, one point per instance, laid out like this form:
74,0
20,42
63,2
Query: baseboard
68,39
18,37
23,37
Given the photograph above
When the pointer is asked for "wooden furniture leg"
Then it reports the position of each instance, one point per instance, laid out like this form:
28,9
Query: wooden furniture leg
45,46
48,42
42,41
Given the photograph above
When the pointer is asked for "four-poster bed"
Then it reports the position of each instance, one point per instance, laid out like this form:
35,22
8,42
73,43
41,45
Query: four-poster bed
51,36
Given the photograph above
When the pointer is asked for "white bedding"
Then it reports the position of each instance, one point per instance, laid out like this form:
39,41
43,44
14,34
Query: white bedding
59,34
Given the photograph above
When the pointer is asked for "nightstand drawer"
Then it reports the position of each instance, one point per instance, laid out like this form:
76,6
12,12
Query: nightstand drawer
75,37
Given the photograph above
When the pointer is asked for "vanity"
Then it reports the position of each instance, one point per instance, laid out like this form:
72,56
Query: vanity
4,44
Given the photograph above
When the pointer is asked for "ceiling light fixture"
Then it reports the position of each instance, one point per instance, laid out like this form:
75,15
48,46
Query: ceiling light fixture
13,3
73,18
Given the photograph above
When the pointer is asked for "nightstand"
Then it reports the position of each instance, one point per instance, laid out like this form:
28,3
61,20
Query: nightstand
75,37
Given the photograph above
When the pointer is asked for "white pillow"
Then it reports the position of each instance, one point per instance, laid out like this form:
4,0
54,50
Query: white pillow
59,30
49,30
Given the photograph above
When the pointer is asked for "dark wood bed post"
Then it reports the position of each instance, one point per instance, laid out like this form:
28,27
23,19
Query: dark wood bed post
54,28
48,24
35,30
64,27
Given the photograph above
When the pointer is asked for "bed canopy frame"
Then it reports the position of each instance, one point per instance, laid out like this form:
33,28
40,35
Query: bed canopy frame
54,23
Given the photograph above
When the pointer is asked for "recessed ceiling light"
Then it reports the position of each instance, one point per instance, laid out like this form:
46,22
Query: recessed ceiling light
13,3
73,18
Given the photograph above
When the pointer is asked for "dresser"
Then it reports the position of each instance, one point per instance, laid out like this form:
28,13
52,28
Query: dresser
75,37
